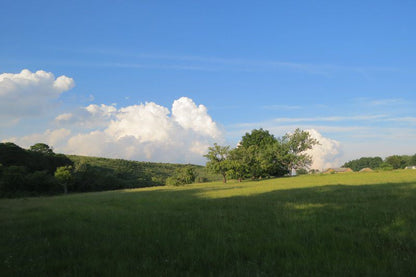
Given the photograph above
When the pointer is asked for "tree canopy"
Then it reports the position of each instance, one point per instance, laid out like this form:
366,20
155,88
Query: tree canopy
41,148
218,160
259,154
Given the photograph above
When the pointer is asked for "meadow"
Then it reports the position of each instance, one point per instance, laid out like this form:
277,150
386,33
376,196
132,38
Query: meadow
352,224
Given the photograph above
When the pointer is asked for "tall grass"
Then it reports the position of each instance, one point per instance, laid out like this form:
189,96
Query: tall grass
354,224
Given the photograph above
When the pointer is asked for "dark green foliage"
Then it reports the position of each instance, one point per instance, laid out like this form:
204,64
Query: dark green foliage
397,161
97,174
11,154
31,172
364,162
13,180
412,161
391,162
41,148
41,182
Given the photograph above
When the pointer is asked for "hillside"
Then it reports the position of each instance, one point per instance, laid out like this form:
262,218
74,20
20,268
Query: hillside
130,174
353,224
25,172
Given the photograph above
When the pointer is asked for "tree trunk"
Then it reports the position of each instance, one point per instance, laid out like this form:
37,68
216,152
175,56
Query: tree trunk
224,178
65,189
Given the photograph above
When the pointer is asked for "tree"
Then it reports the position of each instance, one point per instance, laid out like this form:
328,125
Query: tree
13,180
261,153
364,162
41,148
413,160
217,160
64,176
397,161
295,145
258,137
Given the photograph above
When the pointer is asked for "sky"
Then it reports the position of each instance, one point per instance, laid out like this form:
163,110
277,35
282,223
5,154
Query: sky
163,80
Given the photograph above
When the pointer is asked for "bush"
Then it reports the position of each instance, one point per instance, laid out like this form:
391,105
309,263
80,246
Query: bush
301,171
385,166
183,176
202,179
13,180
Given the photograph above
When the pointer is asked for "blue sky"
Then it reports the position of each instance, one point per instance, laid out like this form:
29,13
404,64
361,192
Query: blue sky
343,68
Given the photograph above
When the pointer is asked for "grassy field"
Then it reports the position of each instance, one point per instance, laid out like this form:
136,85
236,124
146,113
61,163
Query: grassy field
354,224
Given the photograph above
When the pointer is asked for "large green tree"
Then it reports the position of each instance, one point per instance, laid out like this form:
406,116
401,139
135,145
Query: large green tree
257,137
259,154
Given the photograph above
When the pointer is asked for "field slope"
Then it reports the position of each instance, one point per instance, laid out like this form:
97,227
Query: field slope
355,224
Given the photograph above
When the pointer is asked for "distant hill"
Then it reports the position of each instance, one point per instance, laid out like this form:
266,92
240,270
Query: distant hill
97,173
31,172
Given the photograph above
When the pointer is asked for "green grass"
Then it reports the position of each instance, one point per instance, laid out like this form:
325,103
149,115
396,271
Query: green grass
354,224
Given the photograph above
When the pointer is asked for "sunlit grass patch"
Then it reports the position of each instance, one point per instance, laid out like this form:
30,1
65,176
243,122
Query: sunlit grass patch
321,225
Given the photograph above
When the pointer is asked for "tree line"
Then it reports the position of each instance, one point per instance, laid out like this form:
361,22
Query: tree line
389,163
40,171
260,154
30,171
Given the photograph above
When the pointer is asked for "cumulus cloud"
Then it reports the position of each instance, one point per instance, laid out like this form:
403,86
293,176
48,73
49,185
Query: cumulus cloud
147,132
326,154
189,116
30,93
90,117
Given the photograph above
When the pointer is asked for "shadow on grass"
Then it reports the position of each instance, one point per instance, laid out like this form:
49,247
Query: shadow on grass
334,230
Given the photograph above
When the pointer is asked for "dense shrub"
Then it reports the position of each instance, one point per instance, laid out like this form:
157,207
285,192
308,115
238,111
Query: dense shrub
183,176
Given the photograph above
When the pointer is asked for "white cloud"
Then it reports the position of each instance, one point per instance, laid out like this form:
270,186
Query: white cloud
56,138
326,154
90,117
189,116
30,93
147,132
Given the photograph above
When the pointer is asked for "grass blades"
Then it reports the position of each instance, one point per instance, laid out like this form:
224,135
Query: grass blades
322,225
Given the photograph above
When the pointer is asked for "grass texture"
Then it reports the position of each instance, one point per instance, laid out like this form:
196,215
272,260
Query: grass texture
353,224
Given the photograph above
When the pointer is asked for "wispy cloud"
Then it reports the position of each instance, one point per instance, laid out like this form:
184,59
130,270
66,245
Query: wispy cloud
329,118
408,119
282,107
211,63
387,102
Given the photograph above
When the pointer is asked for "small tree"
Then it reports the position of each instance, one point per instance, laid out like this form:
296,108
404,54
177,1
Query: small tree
64,176
217,160
296,144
